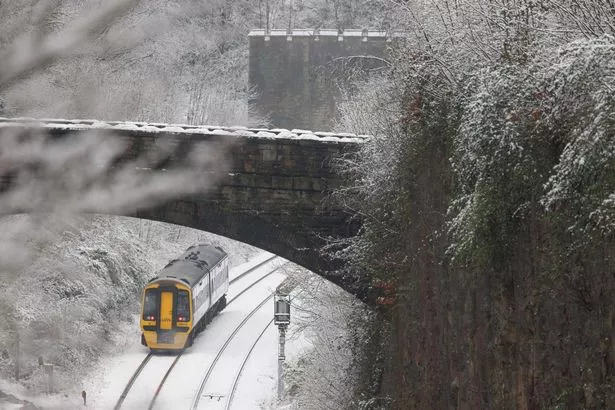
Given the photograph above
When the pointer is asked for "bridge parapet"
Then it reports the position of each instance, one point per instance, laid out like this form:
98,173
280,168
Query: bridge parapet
315,34
58,125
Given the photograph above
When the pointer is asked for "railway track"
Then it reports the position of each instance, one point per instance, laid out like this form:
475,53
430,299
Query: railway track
134,377
149,355
252,269
231,393
197,397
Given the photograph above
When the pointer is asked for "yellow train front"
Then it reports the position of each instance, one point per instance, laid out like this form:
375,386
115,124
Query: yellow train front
184,296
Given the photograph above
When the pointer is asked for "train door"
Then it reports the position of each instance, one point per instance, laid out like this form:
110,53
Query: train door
166,310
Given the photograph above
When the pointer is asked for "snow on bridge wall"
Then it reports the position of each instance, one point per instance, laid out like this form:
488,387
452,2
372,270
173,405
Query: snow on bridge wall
144,128
296,75
272,193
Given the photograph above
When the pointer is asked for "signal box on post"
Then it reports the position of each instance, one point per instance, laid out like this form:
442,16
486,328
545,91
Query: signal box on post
281,315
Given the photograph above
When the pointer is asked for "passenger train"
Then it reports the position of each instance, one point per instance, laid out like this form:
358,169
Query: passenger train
185,295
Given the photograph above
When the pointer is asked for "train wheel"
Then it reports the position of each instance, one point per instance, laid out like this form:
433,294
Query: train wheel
222,303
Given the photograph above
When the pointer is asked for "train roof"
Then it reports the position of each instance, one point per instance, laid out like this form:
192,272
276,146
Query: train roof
192,265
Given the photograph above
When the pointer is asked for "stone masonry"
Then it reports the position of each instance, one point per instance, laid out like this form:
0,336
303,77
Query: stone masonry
297,75
272,191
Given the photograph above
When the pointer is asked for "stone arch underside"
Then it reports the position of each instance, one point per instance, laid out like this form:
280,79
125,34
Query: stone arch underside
303,248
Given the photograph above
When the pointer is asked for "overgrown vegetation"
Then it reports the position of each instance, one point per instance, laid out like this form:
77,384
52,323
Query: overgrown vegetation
487,198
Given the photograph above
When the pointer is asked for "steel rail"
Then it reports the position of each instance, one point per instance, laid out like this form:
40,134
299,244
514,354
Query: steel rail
243,364
253,268
136,374
132,380
197,397
254,283
164,379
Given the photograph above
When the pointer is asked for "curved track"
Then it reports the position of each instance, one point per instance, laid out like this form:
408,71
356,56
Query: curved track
149,355
164,379
136,374
243,365
197,397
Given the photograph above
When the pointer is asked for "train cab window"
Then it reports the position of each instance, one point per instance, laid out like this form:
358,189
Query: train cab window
182,311
149,304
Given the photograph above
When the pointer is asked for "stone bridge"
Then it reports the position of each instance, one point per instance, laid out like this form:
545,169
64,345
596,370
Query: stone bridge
272,192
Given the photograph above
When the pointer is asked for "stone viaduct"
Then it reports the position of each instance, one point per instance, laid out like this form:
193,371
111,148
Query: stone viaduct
272,190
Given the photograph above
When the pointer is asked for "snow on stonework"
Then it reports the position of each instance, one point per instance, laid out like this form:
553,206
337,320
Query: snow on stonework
142,127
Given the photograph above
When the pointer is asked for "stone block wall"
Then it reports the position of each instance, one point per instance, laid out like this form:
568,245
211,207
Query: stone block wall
297,77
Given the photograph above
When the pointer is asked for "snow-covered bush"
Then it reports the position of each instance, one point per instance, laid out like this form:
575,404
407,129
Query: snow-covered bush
329,324
579,88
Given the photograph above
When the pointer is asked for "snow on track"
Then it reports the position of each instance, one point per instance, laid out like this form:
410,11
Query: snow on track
244,282
145,386
256,384
119,369
116,374
236,271
184,383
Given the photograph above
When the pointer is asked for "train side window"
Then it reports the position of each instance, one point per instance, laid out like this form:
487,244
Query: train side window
149,305
183,306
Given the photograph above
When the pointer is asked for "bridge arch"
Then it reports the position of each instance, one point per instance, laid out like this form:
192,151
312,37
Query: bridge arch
271,193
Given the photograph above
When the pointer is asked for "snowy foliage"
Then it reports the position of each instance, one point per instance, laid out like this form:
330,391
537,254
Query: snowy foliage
123,61
325,374
582,94
363,114
500,225
512,115
492,157
371,174
79,284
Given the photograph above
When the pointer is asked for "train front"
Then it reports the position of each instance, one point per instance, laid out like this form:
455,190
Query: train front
166,315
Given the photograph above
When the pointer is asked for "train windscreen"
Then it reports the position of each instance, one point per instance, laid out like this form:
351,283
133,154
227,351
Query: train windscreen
183,306
149,304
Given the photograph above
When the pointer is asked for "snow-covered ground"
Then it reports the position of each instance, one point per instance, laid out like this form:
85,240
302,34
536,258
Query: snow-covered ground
105,385
105,377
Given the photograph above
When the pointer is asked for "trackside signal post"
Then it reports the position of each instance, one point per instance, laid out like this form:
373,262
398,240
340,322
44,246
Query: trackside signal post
281,318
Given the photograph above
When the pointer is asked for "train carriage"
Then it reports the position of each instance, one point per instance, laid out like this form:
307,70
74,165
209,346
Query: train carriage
183,297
